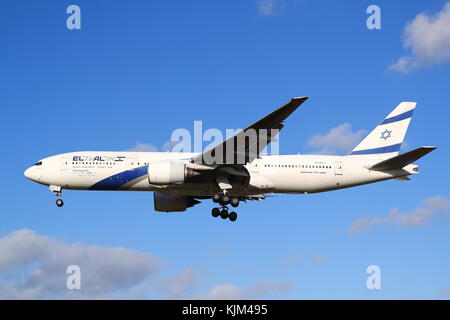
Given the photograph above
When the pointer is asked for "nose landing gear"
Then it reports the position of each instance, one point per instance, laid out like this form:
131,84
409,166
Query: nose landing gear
57,190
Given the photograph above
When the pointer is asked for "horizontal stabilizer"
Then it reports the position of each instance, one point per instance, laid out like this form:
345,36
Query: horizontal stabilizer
402,160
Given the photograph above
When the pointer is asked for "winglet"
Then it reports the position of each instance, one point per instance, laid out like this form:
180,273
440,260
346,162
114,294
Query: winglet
300,98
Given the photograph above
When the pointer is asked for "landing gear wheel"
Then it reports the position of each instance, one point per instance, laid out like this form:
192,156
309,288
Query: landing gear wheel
224,213
57,191
216,197
234,202
225,199
215,212
232,216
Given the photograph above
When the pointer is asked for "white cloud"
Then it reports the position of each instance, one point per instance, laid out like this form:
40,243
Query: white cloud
338,139
147,147
180,285
33,266
259,289
419,217
428,38
294,262
169,145
268,8
403,65
143,147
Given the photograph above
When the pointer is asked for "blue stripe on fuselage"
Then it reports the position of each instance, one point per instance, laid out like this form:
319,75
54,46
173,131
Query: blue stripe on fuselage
391,148
114,182
402,116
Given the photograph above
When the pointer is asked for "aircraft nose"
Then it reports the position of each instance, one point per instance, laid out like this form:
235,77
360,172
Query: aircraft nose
30,174
27,173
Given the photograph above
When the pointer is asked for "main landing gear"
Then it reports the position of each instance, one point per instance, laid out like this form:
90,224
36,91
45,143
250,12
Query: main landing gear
224,200
57,190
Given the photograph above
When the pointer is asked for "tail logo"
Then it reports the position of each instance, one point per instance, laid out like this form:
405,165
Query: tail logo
386,134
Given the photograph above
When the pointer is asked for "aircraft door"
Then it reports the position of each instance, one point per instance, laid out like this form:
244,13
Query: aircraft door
254,166
338,168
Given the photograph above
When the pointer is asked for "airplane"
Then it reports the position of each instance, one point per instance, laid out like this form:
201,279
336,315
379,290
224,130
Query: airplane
180,180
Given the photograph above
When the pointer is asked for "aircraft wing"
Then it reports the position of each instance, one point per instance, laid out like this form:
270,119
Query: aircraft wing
246,145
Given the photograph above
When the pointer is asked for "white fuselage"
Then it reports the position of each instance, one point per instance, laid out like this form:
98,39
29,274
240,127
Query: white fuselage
101,170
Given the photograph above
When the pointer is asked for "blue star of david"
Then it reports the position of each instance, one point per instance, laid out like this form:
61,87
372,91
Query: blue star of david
386,134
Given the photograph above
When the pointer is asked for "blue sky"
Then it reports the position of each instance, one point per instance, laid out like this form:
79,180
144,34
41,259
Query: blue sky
138,70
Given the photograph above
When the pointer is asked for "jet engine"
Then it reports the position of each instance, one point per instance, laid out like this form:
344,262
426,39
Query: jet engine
172,203
169,172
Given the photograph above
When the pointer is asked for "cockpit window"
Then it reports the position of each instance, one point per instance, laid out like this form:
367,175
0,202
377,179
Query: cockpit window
38,163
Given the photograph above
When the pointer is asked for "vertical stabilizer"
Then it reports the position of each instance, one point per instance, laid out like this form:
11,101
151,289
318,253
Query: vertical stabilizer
386,139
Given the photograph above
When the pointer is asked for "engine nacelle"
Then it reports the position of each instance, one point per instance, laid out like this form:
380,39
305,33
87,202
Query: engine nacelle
172,203
166,172
170,172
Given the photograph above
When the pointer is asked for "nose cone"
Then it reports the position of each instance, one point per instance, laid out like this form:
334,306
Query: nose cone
31,174
27,173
